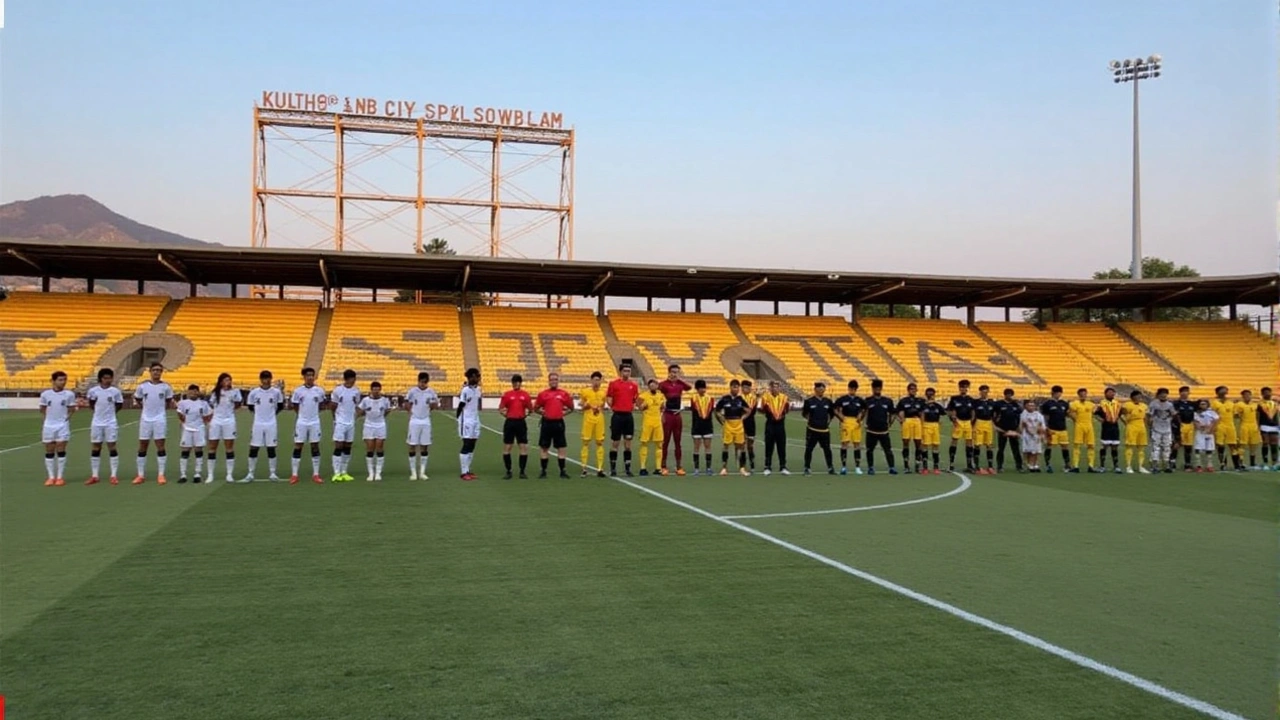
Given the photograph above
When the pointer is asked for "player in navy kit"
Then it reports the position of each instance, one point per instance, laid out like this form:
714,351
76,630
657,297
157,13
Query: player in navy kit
877,418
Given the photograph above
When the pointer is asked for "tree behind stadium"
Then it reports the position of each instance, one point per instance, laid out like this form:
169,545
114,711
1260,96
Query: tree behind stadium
1152,267
439,246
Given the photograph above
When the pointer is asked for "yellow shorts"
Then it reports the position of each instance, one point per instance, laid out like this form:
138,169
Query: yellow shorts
734,434
1084,434
962,430
932,434
651,432
984,432
1250,435
1058,437
1226,433
912,429
850,432
1187,435
1135,435
592,426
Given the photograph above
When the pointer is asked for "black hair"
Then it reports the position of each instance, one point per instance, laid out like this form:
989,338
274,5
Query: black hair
853,384
697,384
155,365
1134,394
1008,391
1082,390
308,371
964,383
672,367
105,373
1166,391
983,387
877,383
348,374
1184,388
597,375
217,387
264,375
1055,389
193,386
516,379
375,384
57,374
734,383
424,377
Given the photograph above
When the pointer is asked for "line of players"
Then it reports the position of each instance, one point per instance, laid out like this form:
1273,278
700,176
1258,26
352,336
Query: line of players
982,424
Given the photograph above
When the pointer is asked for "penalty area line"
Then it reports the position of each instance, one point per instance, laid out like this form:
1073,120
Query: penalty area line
1026,638
965,484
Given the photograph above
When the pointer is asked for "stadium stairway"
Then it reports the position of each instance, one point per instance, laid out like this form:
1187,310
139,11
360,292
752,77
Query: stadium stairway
166,315
621,352
319,339
470,348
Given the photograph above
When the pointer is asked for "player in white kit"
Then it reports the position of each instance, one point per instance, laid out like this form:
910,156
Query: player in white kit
106,400
194,413
154,395
374,408
343,400
308,400
57,404
267,401
469,421
1206,425
225,400
420,401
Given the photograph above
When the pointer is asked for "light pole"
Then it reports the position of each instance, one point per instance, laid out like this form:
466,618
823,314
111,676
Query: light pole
1132,71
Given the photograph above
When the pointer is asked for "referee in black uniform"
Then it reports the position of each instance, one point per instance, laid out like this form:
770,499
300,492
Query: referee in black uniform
817,412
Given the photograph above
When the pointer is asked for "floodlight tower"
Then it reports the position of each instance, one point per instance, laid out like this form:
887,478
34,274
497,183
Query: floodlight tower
1134,71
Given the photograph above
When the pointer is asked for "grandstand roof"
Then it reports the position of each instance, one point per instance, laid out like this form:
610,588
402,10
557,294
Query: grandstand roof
321,268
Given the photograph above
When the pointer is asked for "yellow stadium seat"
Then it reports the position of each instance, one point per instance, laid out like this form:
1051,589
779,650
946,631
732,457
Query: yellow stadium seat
941,353
1109,350
44,332
694,341
1213,353
1049,356
535,342
242,337
821,348
392,343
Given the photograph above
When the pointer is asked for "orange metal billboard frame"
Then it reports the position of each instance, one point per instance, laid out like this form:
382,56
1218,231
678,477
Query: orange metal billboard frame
421,133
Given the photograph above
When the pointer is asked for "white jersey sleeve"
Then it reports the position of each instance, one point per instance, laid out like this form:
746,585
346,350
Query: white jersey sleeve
345,401
57,406
105,403
375,410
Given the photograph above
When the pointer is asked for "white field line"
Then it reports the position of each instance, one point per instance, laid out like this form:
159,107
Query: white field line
965,484
1022,637
40,444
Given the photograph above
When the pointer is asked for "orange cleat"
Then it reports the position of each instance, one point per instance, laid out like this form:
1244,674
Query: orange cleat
680,472
59,482
663,472
115,480
293,479
139,480
317,479
160,480
92,481
49,482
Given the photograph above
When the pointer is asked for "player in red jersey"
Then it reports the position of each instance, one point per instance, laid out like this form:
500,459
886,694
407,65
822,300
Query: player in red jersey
552,404
621,398
515,406
673,389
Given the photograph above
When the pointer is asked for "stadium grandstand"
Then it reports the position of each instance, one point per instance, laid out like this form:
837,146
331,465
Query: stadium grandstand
198,337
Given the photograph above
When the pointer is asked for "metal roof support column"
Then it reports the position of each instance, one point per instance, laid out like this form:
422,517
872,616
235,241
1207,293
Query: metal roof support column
970,315
733,309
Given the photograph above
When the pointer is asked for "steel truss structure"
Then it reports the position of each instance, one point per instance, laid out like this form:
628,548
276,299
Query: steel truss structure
332,177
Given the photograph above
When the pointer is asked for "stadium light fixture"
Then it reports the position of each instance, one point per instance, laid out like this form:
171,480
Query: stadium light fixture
1134,71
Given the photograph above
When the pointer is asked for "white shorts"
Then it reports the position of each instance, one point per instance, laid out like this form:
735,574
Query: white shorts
264,436
55,433
344,432
419,432
469,429
1204,442
103,433
1162,438
306,433
222,430
374,431
1269,430
152,429
192,437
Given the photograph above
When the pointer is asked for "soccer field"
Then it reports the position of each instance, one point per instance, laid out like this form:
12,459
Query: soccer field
1013,596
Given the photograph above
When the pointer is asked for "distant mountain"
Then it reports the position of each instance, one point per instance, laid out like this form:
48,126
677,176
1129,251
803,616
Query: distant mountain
80,218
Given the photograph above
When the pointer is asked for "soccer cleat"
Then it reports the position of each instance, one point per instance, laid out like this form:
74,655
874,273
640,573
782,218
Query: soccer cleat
871,471
139,480
564,475
49,482
541,476
680,471
767,472
507,475
524,475
584,472
293,479
160,480
114,480
182,480
807,473
369,479
857,471
317,479
92,481
744,472
246,479
197,480
600,473
1168,471
844,471
831,471
274,478
893,471
1129,471
644,472
785,471
59,482
413,474
337,477
664,472
724,472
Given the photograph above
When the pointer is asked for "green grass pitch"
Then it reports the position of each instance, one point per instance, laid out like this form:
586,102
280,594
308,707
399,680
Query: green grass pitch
590,598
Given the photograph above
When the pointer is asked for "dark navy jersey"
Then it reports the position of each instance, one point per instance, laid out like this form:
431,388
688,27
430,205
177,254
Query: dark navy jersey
933,411
880,410
1055,414
850,406
984,409
962,406
818,411
1008,414
1186,410
734,407
910,407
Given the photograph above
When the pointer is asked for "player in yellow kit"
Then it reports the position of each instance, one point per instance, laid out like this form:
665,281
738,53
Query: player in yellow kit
1225,437
1081,413
1134,416
591,399
651,402
1250,432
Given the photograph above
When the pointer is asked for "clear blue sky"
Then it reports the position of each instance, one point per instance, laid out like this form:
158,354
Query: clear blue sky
943,137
